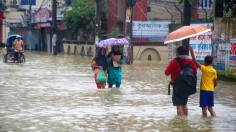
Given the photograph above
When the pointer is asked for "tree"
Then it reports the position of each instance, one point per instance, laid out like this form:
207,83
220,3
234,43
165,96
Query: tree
219,8
181,1
187,17
79,16
230,5
187,10
114,33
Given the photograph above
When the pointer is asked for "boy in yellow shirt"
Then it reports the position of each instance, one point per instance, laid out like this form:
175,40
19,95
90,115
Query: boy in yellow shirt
207,84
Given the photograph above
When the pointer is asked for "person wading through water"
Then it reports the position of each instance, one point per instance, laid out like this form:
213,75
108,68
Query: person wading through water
173,69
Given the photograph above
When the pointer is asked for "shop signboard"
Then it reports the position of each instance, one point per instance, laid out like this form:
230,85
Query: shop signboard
220,55
41,16
231,60
150,29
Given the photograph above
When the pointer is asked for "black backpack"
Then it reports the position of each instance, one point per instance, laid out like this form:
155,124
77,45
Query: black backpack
186,81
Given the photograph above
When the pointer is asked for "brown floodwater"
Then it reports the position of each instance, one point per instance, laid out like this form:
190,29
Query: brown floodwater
58,94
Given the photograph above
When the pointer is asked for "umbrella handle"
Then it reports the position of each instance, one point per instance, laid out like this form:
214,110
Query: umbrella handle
169,89
170,83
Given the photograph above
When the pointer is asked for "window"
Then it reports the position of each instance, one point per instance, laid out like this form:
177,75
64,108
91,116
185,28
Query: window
27,2
206,4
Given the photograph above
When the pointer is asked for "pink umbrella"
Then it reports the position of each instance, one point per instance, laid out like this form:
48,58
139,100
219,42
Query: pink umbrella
113,42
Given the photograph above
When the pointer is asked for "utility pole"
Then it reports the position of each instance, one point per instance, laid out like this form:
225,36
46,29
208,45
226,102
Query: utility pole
186,22
30,18
131,4
219,8
131,35
98,21
54,27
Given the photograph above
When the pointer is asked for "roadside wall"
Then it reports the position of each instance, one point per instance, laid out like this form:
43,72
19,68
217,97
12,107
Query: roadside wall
154,53
151,53
224,46
226,26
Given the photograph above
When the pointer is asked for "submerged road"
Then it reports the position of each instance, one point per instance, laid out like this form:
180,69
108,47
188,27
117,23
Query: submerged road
58,94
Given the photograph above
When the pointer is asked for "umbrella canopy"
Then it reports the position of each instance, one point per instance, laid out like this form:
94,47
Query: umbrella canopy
186,32
113,42
11,38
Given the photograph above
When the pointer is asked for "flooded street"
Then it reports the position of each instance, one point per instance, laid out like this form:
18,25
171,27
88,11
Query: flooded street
58,94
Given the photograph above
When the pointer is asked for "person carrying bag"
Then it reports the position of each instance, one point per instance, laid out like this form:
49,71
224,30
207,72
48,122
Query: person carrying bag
100,65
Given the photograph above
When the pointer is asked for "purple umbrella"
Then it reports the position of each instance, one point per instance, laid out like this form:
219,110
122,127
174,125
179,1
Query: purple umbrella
113,42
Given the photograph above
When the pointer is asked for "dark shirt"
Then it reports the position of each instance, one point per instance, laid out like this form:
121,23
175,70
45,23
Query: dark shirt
101,61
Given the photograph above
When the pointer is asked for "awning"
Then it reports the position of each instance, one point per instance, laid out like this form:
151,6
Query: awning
44,25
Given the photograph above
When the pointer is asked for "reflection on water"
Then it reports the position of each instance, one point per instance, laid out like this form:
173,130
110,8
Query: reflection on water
50,93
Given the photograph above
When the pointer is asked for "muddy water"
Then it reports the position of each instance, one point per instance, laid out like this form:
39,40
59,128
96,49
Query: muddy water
58,94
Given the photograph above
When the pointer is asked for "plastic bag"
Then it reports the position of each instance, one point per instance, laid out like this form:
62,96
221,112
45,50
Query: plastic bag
101,77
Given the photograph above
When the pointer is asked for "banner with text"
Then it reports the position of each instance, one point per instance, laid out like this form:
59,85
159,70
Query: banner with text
150,29
202,44
231,66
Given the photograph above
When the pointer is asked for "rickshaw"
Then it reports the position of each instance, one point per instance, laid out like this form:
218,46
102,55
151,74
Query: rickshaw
9,47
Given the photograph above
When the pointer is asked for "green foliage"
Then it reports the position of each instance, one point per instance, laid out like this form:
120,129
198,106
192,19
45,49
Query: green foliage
181,1
79,15
230,5
178,2
210,19
114,33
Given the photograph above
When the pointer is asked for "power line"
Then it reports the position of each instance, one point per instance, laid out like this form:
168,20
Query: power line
142,11
42,4
113,13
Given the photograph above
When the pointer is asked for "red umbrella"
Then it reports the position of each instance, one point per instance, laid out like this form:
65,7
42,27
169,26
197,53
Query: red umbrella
186,32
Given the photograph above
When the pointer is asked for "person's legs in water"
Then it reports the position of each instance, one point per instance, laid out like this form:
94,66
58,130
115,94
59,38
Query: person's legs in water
210,109
180,110
204,111
101,85
185,109
211,103
181,104
206,102
117,85
110,85
15,56
98,85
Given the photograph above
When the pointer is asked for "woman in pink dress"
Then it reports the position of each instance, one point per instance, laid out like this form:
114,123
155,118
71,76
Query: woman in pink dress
100,62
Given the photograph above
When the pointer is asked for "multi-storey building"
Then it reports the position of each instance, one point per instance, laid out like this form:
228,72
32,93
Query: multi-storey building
202,10
154,11
36,32
157,10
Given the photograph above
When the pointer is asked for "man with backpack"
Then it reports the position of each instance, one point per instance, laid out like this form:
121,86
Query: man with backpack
183,77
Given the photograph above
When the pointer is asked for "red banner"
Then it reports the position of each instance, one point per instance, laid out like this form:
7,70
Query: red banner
233,49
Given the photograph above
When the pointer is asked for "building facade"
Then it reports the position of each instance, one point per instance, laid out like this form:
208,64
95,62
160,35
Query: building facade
153,11
37,30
